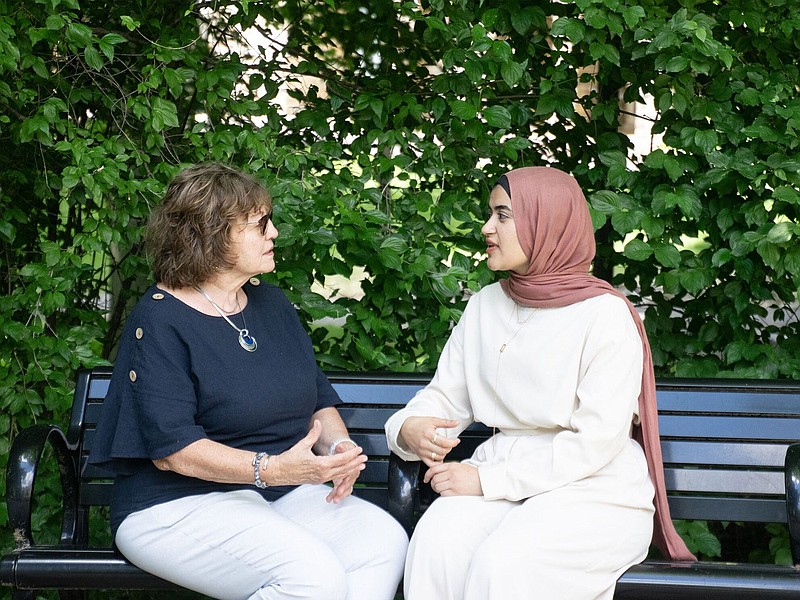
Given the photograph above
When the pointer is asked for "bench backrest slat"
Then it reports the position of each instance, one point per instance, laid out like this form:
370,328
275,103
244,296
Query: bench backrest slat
733,454
709,427
723,442
712,508
725,482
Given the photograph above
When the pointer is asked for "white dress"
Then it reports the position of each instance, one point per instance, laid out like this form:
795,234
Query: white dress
568,501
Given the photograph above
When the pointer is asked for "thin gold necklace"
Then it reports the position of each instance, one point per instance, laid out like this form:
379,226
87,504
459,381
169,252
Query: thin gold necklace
523,323
499,356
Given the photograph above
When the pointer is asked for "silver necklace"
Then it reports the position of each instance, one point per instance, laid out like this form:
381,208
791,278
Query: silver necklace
246,341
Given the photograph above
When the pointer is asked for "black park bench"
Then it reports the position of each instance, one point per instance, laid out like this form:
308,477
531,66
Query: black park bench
727,453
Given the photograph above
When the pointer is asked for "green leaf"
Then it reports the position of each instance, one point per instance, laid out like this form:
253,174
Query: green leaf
511,72
687,199
463,110
164,114
626,221
693,280
390,258
606,202
55,22
445,285
632,15
93,58
130,23
7,231
706,140
668,255
323,236
79,34
770,253
113,39
498,116
673,167
638,250
521,21
721,257
653,225
791,262
780,233
677,64
395,242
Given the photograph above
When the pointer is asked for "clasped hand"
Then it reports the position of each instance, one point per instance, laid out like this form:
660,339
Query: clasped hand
299,465
421,435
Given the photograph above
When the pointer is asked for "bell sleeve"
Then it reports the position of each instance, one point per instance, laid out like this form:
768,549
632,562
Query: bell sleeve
149,411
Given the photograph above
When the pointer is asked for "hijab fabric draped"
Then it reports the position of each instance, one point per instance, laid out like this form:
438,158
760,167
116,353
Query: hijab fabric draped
555,230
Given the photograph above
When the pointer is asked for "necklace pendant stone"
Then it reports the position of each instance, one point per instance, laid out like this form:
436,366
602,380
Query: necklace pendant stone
247,341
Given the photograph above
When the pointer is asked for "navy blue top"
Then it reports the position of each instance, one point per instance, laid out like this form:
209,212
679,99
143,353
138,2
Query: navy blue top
181,376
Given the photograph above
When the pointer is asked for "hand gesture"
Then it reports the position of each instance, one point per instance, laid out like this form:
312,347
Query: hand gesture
300,465
343,487
422,436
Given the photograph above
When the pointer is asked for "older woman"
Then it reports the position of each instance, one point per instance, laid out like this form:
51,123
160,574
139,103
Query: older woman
220,429
560,500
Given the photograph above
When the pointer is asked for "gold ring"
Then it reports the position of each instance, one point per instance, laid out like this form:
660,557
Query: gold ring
433,455
435,436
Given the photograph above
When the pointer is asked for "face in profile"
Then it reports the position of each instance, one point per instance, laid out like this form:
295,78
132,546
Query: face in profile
502,244
253,244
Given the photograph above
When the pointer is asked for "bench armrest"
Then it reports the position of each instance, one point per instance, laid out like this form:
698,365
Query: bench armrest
403,490
23,463
408,494
792,474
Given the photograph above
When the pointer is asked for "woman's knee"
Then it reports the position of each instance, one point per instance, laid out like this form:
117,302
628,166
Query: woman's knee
313,577
392,542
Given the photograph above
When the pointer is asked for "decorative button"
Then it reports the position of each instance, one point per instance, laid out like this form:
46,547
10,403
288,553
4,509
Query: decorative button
158,296
139,333
255,281
132,375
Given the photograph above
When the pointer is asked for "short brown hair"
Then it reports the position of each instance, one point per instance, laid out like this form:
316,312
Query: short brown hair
188,234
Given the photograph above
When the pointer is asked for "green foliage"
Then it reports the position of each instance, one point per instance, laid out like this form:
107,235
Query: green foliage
401,115
699,539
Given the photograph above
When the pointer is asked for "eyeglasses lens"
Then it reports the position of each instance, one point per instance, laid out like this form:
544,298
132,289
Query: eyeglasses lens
263,222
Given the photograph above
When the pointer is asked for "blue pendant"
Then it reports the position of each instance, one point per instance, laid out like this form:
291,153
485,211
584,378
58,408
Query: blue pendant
247,341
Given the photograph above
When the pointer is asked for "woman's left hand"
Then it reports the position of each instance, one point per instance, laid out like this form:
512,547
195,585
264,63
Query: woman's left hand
454,479
343,486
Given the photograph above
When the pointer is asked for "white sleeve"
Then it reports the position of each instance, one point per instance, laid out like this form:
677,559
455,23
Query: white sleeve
609,381
445,396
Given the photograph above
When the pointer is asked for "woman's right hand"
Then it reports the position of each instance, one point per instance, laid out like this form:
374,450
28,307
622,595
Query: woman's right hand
421,436
299,464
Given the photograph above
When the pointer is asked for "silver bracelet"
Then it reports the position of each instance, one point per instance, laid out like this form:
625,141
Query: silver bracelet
260,484
332,449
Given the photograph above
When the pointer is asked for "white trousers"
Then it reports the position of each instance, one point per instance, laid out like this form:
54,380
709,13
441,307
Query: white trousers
571,543
237,546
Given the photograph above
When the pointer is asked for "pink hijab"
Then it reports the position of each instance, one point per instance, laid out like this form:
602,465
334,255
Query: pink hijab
555,230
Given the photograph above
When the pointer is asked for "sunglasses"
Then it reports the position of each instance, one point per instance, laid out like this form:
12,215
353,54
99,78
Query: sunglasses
262,223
